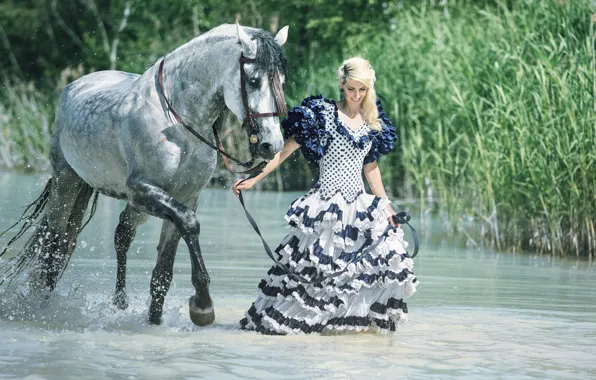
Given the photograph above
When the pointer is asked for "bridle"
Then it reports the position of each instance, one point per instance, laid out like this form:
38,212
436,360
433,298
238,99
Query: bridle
249,119
278,94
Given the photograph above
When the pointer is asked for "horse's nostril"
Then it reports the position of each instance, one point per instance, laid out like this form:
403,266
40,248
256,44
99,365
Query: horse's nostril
267,148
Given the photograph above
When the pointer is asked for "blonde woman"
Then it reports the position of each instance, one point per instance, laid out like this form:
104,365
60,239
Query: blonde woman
336,221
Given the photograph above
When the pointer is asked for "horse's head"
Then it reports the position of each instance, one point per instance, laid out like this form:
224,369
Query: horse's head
254,90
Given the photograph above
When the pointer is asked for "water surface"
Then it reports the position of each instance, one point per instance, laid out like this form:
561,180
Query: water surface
477,314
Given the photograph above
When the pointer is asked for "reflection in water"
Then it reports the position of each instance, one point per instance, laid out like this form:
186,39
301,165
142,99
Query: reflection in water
477,313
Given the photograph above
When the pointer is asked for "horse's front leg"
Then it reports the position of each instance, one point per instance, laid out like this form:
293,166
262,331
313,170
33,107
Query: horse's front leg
158,202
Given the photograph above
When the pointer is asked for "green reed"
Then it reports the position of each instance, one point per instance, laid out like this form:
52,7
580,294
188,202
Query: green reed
495,109
25,119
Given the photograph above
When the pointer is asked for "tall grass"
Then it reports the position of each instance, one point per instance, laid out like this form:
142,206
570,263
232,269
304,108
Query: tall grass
496,112
25,119
495,109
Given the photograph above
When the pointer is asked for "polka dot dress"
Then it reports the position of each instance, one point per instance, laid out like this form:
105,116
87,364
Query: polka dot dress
330,225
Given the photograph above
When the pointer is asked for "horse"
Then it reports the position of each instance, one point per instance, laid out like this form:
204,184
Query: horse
134,137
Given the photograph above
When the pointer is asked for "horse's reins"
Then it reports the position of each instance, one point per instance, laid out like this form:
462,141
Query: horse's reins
249,121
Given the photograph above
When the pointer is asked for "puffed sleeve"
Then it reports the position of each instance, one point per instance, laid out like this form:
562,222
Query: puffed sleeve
307,125
383,141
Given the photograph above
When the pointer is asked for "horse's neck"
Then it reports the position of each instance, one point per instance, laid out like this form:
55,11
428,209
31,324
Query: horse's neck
193,77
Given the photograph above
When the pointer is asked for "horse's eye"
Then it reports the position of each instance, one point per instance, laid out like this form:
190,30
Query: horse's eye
254,82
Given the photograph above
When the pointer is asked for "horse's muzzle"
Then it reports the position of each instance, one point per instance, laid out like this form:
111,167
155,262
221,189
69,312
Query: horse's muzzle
267,151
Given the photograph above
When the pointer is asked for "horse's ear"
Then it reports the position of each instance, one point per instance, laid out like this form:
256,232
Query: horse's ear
282,36
248,46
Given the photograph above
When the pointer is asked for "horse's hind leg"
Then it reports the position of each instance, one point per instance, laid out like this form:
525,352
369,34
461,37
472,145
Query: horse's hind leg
130,220
162,273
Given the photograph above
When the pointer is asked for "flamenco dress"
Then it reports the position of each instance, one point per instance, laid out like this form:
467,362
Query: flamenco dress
329,226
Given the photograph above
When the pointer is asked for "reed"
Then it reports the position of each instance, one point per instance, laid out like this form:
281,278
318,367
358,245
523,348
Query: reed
495,109
25,119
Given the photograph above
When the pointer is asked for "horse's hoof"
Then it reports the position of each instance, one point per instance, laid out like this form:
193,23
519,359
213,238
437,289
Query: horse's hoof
199,316
120,300
44,300
154,319
155,312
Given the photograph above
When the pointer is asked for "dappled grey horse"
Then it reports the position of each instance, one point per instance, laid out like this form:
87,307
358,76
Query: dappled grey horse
115,134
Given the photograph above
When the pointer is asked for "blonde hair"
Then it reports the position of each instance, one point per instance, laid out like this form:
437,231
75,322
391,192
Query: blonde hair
357,68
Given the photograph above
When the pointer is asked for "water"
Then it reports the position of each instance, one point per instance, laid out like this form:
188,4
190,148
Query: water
477,314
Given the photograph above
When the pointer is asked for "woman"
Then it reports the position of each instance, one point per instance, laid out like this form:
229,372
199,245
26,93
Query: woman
336,220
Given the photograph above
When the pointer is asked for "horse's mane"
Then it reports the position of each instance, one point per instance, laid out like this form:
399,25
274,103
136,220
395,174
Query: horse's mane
270,56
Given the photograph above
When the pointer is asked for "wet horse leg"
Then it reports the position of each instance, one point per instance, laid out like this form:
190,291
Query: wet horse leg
158,202
130,220
162,274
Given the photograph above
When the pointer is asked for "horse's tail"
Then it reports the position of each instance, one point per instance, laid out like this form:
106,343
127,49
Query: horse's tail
16,264
40,243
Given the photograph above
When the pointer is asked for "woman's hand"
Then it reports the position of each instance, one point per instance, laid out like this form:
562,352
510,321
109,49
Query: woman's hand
391,213
241,184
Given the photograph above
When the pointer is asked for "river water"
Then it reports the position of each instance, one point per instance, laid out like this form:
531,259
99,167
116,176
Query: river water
477,314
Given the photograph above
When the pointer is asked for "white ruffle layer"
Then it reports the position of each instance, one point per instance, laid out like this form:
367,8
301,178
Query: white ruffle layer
311,215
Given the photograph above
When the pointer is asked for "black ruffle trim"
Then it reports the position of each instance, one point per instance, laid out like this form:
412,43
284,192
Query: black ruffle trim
306,123
359,142
392,303
304,327
309,222
317,250
333,208
369,279
256,319
348,232
285,291
383,141
297,256
367,215
384,276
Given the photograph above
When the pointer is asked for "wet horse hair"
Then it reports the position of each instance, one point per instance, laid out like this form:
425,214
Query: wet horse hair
17,264
21,262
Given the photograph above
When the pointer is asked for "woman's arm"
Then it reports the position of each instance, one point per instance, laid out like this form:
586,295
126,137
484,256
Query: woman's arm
290,145
373,176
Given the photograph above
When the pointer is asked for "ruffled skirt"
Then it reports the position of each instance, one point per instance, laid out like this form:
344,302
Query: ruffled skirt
327,235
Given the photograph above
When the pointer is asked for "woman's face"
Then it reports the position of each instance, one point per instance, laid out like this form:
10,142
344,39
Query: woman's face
354,91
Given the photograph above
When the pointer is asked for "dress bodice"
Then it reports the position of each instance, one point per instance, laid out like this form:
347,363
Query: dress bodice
340,168
339,151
